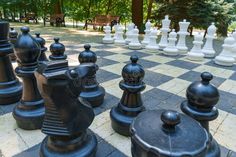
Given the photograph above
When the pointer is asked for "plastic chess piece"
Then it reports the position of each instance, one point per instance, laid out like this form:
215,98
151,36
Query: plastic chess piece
119,38
129,33
135,44
208,49
41,42
183,32
116,27
10,87
67,118
234,46
147,31
171,49
29,113
152,45
195,53
13,34
107,38
161,133
226,57
92,91
202,97
131,103
164,32
57,49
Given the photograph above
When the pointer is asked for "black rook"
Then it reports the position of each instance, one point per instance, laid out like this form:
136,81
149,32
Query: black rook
67,118
201,99
92,91
131,102
29,113
10,87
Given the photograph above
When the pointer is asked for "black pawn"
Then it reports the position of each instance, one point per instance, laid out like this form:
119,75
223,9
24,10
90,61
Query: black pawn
13,34
92,91
131,103
57,49
29,113
67,118
41,42
200,105
10,87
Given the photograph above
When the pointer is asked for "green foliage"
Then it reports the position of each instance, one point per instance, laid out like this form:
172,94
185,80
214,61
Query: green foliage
232,26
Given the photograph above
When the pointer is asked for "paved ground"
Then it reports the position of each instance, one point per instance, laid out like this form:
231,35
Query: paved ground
166,77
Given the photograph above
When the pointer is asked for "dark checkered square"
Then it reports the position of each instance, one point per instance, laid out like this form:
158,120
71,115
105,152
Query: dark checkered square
138,53
101,62
6,108
175,57
103,76
155,79
104,53
212,63
233,77
183,64
104,47
227,102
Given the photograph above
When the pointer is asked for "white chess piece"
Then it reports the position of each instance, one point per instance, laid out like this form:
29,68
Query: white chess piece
195,53
135,44
234,46
152,45
147,31
208,47
120,39
164,32
129,33
116,27
226,58
171,49
183,32
107,38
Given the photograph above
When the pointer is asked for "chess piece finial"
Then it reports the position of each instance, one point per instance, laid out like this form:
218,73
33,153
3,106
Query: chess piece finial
57,49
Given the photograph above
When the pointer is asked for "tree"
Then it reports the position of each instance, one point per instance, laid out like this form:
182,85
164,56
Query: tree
137,13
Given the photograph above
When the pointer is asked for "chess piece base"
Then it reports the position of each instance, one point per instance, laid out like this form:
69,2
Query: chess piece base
213,150
29,115
135,46
171,52
95,98
10,92
224,61
108,41
73,148
182,50
120,42
195,56
209,53
162,46
51,57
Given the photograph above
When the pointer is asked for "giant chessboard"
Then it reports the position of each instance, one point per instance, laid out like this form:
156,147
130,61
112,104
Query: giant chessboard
166,81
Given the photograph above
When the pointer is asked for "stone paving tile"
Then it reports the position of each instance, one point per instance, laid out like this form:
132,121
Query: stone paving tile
158,59
101,62
103,76
155,79
183,64
227,102
7,108
212,63
228,86
175,57
118,57
104,53
145,63
138,53
197,62
115,68
192,76
233,77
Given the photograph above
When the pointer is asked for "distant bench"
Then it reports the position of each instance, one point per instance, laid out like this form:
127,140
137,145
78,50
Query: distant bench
28,17
55,19
102,20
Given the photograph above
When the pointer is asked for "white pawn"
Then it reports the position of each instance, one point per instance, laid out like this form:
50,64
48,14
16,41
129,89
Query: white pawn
195,53
234,46
129,33
226,58
171,49
208,47
107,38
120,39
135,44
116,27
164,32
152,45
183,32
147,31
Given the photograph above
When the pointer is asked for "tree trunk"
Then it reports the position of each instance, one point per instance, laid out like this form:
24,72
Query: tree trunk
108,6
137,13
149,9
57,7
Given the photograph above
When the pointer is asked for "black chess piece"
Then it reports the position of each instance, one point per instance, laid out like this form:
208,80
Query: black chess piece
41,42
161,133
10,87
13,34
201,99
29,113
67,118
131,103
57,49
92,91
